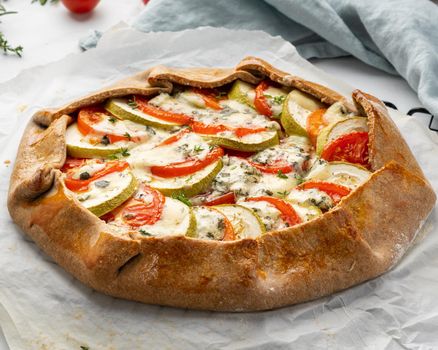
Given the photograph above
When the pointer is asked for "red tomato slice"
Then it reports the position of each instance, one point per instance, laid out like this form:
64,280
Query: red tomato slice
187,167
209,129
78,185
229,234
260,102
209,98
288,213
335,191
352,148
178,118
174,138
240,154
89,116
315,122
144,209
71,163
274,167
227,198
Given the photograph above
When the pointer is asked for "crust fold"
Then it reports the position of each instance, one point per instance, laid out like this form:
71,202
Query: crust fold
361,238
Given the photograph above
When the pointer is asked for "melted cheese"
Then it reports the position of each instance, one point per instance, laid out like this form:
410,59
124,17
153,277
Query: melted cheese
174,220
209,223
269,214
104,189
310,197
75,138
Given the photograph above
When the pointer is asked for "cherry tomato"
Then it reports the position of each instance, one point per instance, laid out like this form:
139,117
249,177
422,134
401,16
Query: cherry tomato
89,116
227,198
144,209
335,191
352,148
288,213
274,167
80,6
78,185
315,122
178,118
260,102
209,98
187,167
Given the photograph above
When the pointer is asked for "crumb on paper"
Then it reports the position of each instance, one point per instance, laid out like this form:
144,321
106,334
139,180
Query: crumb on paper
7,162
22,107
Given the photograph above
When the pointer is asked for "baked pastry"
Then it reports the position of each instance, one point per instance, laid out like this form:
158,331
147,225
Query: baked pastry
221,189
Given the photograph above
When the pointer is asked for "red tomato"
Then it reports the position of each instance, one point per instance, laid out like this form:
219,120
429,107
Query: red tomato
174,138
229,234
335,191
227,198
78,185
209,98
352,148
89,116
274,167
178,118
209,129
260,102
144,209
71,163
288,213
187,167
80,6
315,122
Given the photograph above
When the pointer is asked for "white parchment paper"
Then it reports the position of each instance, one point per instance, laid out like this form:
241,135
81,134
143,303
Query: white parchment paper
42,307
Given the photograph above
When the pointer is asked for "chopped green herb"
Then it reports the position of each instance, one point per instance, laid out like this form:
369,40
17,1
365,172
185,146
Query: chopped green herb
283,194
102,183
198,148
150,130
210,235
127,135
123,153
221,94
132,104
83,199
144,233
189,178
112,120
105,140
182,198
278,100
281,175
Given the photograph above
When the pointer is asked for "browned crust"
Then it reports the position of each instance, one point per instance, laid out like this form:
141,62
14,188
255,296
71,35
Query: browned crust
360,239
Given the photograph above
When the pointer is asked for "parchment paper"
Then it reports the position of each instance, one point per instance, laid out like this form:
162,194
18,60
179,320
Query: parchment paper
42,307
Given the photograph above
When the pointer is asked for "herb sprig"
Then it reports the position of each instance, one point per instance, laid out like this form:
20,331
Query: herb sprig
4,44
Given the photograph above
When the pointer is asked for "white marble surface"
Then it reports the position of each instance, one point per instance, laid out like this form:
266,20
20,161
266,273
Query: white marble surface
49,33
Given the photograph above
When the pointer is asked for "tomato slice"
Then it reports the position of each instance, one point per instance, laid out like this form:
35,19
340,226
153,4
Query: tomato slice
315,122
187,167
178,118
288,213
227,198
144,209
78,185
352,148
260,101
274,167
71,163
89,116
174,138
335,191
210,129
209,98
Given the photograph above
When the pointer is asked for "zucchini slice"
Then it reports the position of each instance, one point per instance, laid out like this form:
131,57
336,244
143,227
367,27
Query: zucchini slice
341,173
245,222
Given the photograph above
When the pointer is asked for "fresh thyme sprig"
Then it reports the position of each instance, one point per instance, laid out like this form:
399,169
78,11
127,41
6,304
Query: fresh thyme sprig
4,44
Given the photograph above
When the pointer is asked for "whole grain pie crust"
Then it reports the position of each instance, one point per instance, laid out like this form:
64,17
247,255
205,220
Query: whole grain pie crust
361,238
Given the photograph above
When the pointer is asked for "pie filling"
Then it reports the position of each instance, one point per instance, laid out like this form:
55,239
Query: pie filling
214,164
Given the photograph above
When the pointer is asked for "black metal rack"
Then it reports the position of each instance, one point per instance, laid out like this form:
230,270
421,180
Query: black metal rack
413,111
